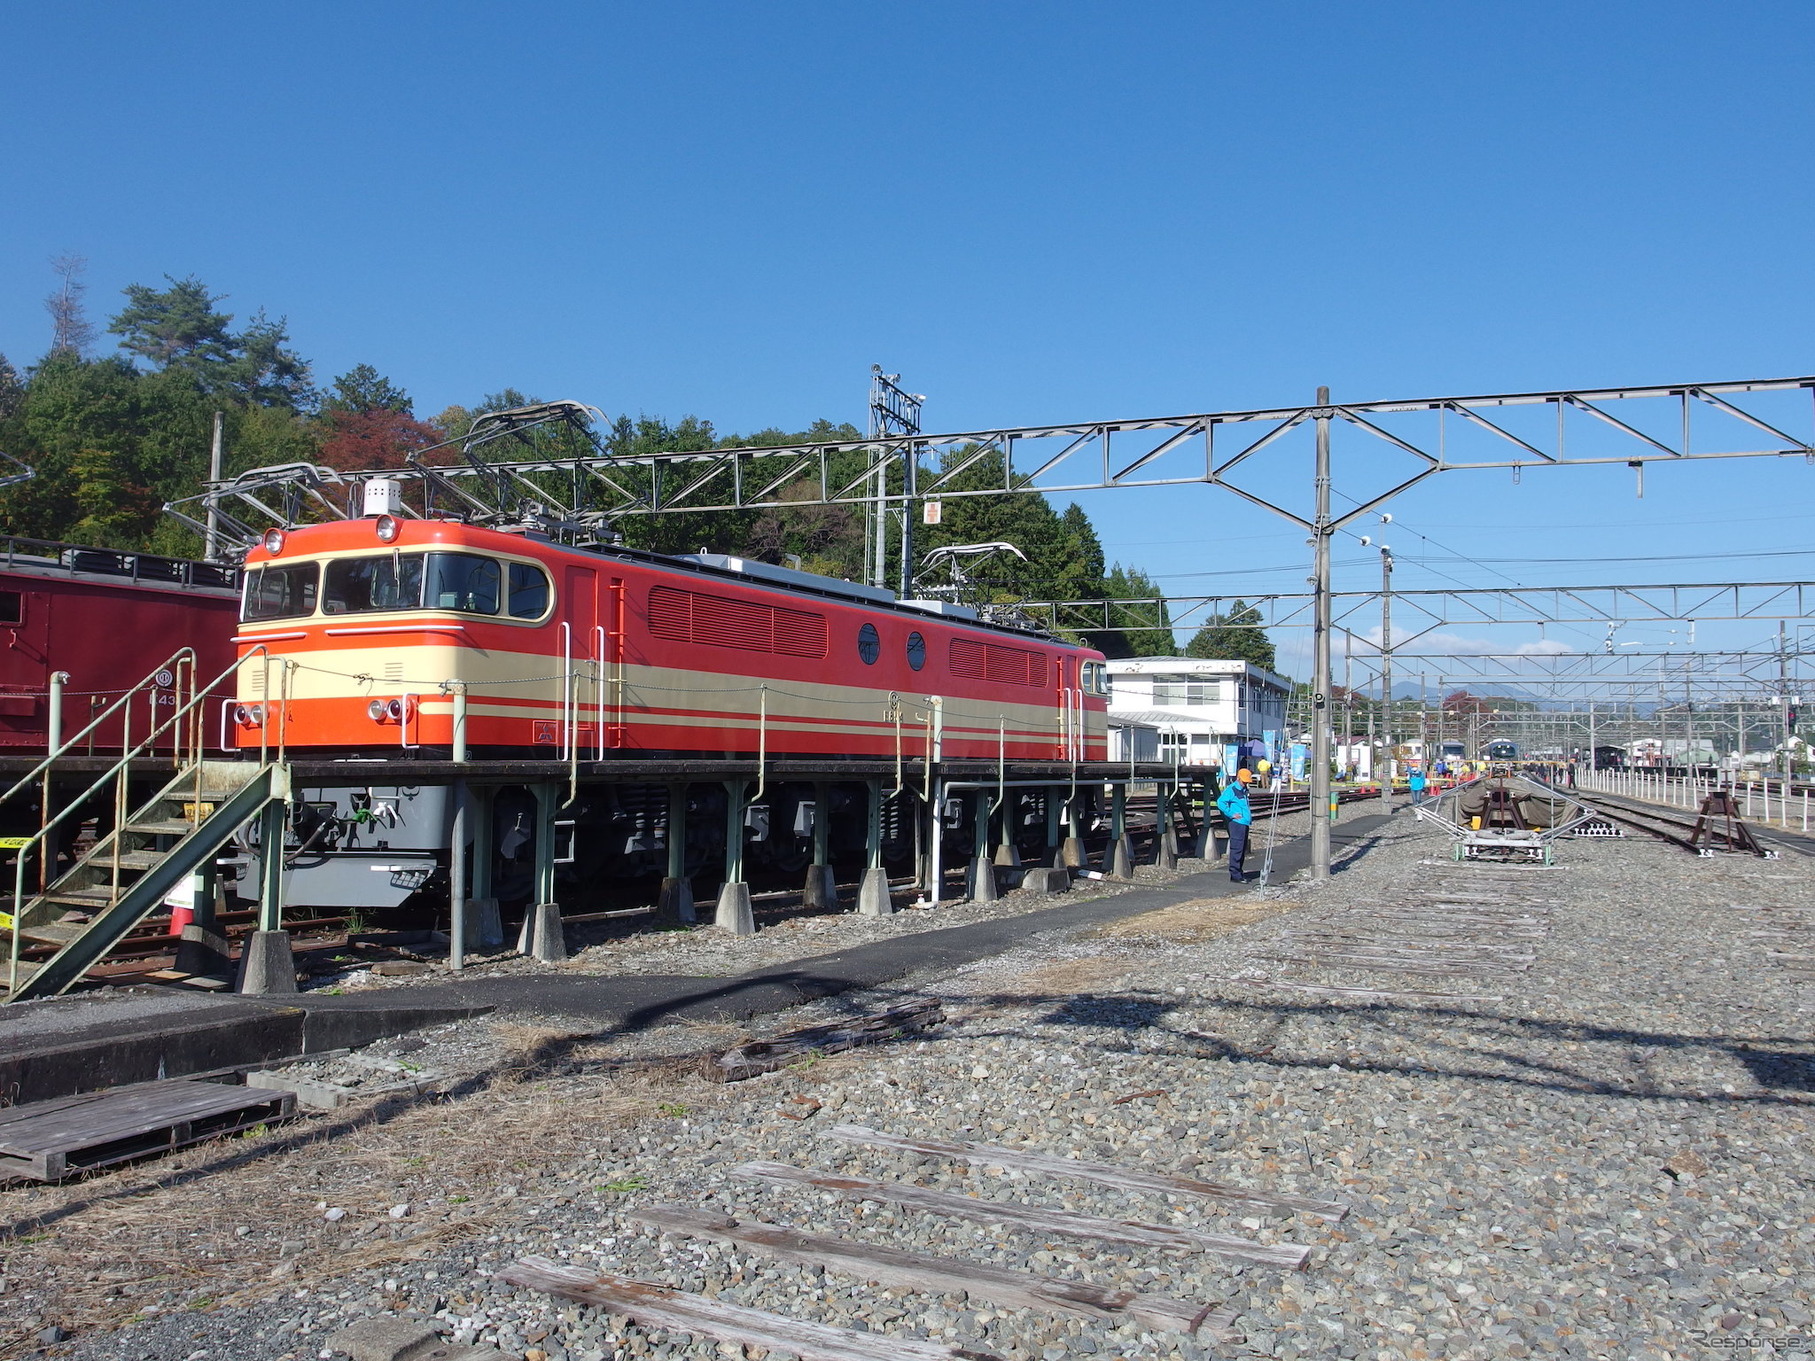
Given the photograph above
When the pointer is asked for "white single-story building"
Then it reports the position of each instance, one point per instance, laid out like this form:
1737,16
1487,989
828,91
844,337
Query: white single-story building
1198,706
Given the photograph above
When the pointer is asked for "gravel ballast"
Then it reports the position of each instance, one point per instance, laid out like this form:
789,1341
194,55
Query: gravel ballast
1612,1159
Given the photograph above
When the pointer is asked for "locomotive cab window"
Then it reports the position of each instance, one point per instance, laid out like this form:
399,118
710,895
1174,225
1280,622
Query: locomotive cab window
12,607
869,644
286,592
528,591
364,585
462,581
1096,678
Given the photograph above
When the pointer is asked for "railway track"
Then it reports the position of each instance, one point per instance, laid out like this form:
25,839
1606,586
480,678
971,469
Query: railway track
1740,839
1484,922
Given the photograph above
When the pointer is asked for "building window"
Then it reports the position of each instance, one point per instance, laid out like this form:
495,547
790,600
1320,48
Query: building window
1186,692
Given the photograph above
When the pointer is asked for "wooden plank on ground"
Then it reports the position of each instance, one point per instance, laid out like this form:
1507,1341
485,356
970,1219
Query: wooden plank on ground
47,1139
941,1275
657,1306
1329,989
765,1056
1103,1174
1433,968
1034,1217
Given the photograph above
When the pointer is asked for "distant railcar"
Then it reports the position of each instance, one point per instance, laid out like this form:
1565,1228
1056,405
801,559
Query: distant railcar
1501,750
107,620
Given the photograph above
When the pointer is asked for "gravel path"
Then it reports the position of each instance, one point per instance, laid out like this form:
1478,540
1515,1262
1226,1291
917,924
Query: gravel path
1613,1159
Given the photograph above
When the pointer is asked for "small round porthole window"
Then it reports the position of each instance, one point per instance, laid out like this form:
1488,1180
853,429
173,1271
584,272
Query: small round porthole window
916,650
869,644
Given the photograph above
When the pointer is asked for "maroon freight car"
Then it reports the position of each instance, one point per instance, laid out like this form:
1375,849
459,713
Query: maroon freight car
105,619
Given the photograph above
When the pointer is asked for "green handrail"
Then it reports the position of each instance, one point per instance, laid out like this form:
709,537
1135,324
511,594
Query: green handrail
121,769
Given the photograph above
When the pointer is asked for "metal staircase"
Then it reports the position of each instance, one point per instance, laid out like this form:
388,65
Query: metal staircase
146,851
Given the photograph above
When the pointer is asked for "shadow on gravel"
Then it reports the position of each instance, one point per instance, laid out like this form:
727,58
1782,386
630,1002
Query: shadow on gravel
1477,1040
1123,1013
1786,1071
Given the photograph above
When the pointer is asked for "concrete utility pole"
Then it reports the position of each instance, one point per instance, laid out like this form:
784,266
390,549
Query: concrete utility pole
211,544
1320,651
1386,672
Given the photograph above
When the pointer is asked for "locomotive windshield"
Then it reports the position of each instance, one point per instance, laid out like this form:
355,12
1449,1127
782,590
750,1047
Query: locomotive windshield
360,585
467,582
286,592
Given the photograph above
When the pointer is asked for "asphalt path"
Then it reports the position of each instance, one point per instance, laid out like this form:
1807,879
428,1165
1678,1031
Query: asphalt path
635,1002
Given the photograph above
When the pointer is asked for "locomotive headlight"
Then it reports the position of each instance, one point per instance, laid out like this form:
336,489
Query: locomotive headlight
249,715
376,711
274,541
395,710
388,528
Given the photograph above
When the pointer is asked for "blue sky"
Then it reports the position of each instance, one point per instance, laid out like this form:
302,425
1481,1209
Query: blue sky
1035,213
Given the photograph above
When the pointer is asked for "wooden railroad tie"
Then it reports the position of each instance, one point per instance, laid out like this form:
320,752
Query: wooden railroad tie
942,1275
1033,1217
658,1306
1103,1174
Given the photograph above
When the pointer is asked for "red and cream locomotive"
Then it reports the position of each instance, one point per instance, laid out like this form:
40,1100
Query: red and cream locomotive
606,652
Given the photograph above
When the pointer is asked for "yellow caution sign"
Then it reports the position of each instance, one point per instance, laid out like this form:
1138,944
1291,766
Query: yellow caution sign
6,921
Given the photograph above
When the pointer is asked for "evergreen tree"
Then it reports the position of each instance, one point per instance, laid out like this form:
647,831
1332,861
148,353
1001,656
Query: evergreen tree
12,390
180,328
174,326
1135,630
1235,636
362,389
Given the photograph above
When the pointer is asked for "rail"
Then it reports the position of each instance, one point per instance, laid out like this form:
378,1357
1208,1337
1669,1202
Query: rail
1778,803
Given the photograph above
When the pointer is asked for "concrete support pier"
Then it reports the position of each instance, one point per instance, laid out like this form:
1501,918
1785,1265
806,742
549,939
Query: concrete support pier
821,890
547,939
1071,851
982,886
268,964
873,898
675,902
734,913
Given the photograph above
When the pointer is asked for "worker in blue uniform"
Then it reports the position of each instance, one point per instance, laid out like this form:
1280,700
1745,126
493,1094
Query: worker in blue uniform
1233,804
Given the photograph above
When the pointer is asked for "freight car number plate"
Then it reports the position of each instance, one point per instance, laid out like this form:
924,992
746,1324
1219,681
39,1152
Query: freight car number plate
14,843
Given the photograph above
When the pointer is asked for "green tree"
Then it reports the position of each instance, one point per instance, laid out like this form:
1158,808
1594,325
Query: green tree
683,531
181,328
827,539
263,369
178,325
1235,636
1135,630
12,389
362,389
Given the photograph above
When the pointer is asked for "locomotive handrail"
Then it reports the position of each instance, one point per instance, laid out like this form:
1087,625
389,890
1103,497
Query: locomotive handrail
173,664
762,741
189,715
600,664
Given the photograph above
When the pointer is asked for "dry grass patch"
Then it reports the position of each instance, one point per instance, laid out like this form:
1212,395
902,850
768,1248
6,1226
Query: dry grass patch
1200,919
1065,977
245,1218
